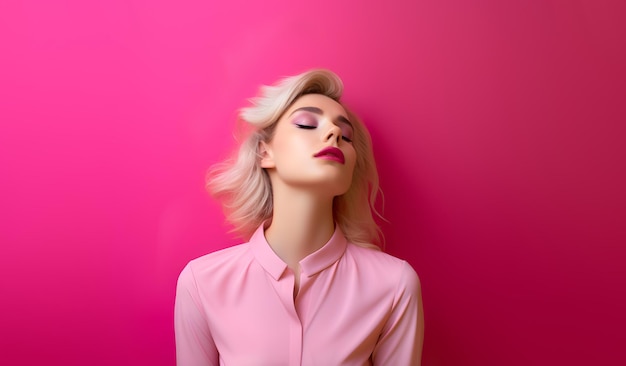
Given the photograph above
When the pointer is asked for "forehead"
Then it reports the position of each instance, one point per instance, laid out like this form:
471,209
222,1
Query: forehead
326,104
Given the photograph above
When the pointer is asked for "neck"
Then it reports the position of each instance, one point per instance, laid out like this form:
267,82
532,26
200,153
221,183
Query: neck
302,223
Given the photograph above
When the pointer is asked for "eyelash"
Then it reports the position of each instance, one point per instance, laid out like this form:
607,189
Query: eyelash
307,127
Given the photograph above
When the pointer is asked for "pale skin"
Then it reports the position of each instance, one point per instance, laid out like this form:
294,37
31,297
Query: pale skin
303,185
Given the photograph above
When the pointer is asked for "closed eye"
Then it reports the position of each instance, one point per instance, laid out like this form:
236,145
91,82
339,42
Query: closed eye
306,127
346,139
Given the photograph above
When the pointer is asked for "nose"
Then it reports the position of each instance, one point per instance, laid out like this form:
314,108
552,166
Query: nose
333,134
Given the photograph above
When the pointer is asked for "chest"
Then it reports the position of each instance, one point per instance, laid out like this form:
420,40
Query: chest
333,320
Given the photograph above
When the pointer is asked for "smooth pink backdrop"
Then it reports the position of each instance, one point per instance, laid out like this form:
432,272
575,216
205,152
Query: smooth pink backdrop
498,129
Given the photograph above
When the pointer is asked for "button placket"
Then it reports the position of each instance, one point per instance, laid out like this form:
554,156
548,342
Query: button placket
284,289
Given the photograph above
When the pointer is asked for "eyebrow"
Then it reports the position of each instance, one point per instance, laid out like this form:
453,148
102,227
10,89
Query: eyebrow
316,110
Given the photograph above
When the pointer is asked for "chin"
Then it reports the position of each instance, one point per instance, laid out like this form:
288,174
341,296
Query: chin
338,190
327,188
329,184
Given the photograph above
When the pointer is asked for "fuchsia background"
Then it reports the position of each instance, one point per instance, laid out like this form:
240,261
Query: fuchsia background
498,128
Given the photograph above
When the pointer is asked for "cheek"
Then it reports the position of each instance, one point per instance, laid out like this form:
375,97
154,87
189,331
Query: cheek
288,150
351,157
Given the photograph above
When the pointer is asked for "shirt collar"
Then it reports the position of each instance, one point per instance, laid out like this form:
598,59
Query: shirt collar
310,265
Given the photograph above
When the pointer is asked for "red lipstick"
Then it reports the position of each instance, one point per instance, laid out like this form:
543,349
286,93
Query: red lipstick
331,153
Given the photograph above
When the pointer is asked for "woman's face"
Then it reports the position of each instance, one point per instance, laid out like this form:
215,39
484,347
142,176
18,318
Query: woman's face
311,147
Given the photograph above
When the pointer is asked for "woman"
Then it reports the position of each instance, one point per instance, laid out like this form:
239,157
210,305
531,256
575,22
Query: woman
309,287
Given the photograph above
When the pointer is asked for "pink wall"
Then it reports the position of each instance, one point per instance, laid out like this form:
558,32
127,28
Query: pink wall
498,128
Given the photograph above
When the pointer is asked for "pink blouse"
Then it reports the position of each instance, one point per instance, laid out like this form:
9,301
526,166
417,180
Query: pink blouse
355,306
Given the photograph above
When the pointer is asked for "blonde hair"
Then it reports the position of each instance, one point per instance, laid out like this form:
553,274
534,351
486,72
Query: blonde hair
244,187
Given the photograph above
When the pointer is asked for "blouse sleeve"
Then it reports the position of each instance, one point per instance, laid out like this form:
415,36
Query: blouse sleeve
194,342
402,337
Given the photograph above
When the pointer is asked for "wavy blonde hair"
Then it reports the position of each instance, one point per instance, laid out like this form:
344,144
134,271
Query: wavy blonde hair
244,187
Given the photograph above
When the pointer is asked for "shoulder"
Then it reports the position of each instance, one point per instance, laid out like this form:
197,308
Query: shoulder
397,273
377,259
216,264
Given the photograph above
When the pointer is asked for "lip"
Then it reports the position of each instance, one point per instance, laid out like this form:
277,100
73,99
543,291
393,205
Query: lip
331,153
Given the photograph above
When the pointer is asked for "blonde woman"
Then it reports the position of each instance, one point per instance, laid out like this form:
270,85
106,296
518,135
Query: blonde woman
310,286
